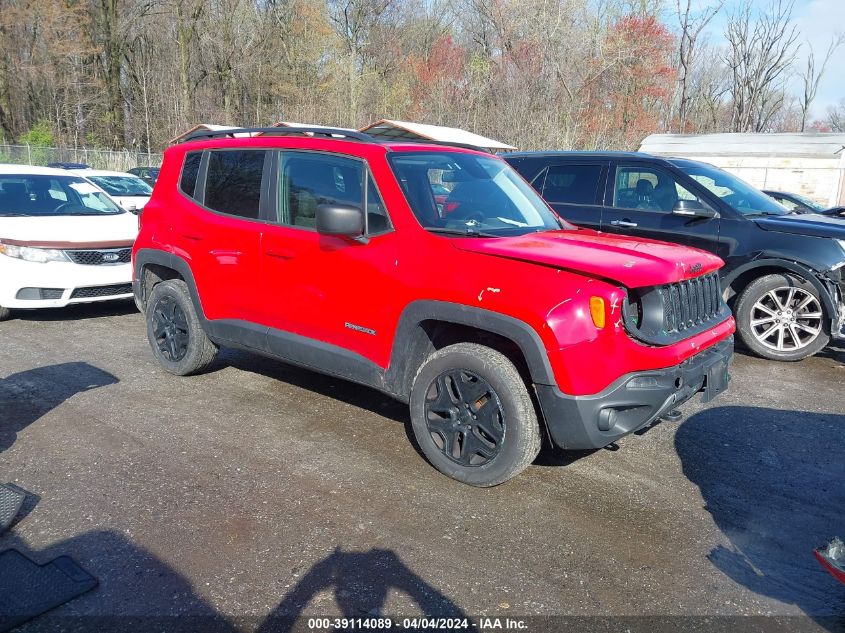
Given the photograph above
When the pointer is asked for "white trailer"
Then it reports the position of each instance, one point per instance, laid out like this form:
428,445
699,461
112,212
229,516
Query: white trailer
812,164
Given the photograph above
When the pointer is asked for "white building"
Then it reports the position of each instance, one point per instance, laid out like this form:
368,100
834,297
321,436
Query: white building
812,164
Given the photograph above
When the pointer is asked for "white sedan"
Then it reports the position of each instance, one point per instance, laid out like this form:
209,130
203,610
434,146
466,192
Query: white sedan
62,241
129,191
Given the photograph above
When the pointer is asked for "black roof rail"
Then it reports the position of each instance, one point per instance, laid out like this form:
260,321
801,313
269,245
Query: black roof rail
280,131
323,131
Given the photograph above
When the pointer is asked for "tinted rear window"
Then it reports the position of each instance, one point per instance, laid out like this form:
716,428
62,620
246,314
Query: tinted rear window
572,184
233,182
190,170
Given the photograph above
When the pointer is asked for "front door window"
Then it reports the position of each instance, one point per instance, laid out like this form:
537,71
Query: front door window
648,189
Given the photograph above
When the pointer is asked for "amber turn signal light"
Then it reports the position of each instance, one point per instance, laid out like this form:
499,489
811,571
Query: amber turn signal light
597,311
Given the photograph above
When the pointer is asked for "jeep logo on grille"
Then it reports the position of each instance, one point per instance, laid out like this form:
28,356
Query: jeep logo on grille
110,257
695,267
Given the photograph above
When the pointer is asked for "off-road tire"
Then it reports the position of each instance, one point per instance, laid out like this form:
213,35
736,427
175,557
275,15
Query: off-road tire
5,313
200,351
758,289
521,439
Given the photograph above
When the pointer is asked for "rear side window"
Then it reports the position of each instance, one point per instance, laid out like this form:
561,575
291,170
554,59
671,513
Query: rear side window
572,184
233,182
190,170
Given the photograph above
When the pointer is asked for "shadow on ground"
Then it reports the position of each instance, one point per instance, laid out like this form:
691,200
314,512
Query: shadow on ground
30,394
322,384
359,396
139,592
360,583
834,351
79,311
773,482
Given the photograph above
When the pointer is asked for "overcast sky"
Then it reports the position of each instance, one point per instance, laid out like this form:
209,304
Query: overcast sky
817,21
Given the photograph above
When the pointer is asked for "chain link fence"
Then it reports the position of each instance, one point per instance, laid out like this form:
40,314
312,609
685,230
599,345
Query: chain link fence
117,160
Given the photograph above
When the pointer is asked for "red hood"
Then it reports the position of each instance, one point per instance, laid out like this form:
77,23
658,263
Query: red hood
631,261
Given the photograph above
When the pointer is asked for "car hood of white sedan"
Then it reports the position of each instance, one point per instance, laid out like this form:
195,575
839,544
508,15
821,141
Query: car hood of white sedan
65,229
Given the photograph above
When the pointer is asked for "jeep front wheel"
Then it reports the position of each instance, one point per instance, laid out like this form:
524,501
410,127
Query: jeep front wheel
5,313
781,317
472,415
175,333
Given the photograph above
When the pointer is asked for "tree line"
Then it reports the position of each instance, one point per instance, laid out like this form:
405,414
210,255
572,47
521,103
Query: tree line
534,73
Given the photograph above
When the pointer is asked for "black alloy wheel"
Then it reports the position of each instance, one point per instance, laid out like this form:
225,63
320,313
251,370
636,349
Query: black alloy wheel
170,328
465,417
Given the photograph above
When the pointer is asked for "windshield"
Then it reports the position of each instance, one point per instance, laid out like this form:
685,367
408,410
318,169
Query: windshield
808,202
736,193
36,195
469,194
122,185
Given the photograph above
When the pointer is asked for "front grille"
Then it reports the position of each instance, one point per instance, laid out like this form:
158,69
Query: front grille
101,291
101,257
690,303
662,315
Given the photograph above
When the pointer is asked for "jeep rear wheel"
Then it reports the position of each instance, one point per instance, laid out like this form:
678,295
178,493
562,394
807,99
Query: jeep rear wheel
175,333
472,415
781,317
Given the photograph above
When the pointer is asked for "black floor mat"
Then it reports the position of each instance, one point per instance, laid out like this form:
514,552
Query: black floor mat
28,589
11,500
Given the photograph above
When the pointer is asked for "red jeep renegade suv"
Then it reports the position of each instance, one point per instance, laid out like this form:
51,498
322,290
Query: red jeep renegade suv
492,317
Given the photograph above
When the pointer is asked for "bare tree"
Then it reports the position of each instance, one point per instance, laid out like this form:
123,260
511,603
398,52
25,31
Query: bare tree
691,28
812,76
760,54
836,117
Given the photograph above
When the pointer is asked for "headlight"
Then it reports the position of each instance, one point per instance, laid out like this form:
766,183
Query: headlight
32,254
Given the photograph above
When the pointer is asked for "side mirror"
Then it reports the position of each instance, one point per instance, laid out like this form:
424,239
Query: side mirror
340,219
693,209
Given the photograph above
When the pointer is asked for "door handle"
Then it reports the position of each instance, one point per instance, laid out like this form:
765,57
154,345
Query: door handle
226,253
192,236
280,253
625,223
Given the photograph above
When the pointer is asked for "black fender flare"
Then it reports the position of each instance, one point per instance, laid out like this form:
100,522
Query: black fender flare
800,270
146,256
399,374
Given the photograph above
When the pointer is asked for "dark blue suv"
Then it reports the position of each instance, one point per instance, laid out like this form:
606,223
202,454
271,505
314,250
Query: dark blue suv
784,274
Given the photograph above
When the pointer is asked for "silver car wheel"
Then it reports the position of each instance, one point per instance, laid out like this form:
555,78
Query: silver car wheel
786,319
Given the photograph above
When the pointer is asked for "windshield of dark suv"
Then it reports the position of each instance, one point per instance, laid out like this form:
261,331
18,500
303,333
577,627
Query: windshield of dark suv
468,194
38,195
122,185
807,202
736,193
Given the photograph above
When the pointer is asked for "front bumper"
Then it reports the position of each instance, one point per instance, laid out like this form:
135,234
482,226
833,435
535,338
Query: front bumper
633,401
57,284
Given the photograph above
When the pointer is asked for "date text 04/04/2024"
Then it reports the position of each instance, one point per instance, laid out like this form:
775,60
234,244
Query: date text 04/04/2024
416,624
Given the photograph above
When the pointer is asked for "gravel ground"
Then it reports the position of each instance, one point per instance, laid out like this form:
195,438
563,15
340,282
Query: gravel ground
260,489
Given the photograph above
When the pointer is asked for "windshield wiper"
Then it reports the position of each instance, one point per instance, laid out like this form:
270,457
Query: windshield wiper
468,232
16,215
